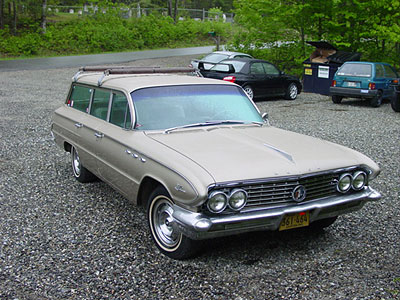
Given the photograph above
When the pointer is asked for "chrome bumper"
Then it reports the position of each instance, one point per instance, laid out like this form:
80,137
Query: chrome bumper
200,226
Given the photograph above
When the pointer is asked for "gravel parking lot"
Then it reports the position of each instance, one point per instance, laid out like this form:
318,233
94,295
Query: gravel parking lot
60,239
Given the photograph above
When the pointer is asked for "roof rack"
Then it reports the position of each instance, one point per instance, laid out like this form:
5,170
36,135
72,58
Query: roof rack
132,70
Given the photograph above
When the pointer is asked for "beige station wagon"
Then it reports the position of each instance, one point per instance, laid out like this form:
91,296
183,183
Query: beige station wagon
199,156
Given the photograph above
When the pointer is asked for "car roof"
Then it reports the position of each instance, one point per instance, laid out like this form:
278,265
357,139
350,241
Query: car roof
244,59
366,62
228,52
129,82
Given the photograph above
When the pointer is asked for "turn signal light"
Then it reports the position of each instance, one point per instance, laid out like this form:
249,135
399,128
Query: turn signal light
333,83
372,86
230,78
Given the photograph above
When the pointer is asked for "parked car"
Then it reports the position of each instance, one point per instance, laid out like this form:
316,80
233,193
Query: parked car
395,101
199,156
365,80
215,57
258,78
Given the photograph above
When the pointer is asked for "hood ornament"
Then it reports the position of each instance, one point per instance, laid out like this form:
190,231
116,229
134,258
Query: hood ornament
281,152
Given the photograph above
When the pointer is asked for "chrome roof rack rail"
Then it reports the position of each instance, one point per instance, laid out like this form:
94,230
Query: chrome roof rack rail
132,70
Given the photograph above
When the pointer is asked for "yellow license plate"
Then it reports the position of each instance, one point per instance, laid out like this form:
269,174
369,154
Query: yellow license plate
295,221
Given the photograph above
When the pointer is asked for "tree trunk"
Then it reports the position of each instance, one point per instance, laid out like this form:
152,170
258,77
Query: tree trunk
14,23
170,8
43,20
1,14
175,10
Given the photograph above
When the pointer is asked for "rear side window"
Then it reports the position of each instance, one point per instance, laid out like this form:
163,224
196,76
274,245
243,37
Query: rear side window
100,102
80,98
257,68
380,73
357,70
120,114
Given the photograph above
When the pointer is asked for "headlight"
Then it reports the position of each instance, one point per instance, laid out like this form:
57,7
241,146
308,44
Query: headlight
237,199
217,201
359,180
344,183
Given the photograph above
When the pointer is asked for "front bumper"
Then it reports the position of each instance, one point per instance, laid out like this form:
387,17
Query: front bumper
352,92
199,226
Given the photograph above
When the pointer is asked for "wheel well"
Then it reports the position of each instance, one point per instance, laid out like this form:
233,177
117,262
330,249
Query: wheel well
67,147
147,186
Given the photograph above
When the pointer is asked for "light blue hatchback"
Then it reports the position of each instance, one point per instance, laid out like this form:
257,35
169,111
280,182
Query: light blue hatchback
366,80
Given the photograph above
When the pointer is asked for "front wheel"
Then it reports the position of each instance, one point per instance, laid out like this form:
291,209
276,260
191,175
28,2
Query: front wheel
377,100
395,102
249,91
80,172
291,92
168,240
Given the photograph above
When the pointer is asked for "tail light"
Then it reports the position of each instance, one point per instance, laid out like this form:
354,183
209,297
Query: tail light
333,83
230,78
372,86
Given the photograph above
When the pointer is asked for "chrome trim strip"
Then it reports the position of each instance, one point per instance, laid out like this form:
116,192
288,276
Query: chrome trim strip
283,153
201,226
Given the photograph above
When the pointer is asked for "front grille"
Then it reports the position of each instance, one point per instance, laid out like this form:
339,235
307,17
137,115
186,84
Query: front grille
280,192
277,192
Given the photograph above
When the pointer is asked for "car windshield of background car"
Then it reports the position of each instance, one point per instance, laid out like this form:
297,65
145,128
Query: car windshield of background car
159,108
214,57
223,67
357,70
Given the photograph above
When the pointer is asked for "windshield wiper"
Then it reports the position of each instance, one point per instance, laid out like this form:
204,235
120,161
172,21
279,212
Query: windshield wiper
216,122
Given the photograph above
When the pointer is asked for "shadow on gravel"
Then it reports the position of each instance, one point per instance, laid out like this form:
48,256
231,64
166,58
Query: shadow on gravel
251,247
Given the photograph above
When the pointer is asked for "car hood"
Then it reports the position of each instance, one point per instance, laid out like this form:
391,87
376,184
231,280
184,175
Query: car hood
245,152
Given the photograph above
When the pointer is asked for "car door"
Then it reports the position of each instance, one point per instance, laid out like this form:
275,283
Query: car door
80,128
257,78
117,159
390,74
274,82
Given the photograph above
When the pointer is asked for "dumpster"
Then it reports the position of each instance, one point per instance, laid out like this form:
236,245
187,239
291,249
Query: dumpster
322,65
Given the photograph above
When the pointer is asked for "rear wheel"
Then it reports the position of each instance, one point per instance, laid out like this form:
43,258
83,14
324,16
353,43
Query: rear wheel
80,172
377,100
249,91
291,92
337,99
168,240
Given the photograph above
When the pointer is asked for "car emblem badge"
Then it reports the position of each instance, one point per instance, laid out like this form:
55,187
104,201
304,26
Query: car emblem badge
299,193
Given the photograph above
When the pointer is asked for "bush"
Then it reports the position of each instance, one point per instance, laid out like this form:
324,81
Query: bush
108,32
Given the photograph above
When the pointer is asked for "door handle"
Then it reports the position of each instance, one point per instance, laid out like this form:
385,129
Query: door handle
98,135
78,125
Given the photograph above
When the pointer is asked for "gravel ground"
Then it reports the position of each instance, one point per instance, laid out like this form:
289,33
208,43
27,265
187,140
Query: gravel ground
60,239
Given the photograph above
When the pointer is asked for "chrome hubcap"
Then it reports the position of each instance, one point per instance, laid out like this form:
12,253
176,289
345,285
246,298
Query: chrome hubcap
76,163
162,222
293,91
249,92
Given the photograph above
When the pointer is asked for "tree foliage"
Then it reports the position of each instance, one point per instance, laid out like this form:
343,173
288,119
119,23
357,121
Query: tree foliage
278,30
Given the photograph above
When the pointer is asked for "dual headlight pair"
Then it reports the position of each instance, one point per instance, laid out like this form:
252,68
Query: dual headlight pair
218,200
355,181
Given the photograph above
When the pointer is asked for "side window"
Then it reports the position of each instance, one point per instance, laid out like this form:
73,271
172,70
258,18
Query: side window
389,73
99,107
80,98
380,73
256,68
120,114
270,69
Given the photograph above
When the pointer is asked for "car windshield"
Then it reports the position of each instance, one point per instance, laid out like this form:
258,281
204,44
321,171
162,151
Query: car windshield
160,108
215,57
358,70
222,67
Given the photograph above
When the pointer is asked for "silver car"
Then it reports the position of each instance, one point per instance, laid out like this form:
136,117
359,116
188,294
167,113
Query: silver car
197,154
215,57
